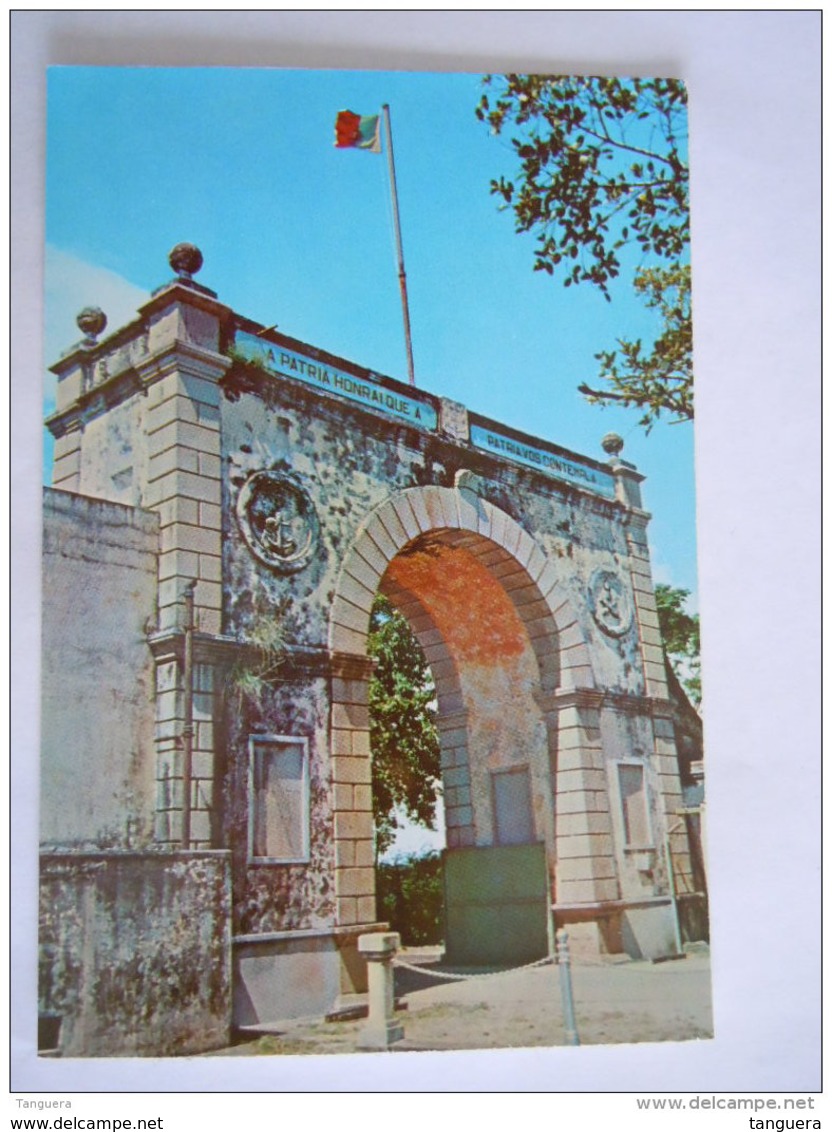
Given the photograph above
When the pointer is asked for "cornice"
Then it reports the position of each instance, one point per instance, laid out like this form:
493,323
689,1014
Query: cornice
218,649
189,294
178,357
181,356
628,703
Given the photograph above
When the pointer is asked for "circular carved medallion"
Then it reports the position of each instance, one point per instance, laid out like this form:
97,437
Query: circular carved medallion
610,603
278,521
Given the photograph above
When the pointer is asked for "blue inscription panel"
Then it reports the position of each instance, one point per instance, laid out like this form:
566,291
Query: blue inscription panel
321,375
572,471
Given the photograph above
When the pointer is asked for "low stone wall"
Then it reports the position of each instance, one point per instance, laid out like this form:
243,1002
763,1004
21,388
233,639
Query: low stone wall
98,768
135,953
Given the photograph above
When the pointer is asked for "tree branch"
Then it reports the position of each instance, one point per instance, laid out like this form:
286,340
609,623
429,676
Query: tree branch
623,145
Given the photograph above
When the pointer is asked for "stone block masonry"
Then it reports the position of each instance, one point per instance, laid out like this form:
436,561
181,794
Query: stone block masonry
184,485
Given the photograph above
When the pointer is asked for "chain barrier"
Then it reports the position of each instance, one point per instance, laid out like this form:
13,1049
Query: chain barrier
381,1004
482,975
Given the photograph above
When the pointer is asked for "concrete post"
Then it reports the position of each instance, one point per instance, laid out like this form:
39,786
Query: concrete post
565,968
382,1030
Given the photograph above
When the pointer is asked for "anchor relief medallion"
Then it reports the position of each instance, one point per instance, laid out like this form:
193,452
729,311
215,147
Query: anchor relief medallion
278,521
610,603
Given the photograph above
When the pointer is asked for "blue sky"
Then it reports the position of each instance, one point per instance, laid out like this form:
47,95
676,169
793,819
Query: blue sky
297,233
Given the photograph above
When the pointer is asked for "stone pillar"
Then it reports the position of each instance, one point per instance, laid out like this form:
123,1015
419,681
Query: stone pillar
586,872
66,468
74,372
73,378
202,758
170,722
382,1029
456,779
628,491
647,617
182,424
352,791
666,764
137,421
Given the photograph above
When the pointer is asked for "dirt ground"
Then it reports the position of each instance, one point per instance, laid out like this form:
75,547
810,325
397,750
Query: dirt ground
615,1001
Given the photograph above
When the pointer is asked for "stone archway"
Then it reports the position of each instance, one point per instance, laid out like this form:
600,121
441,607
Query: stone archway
434,551
419,511
277,477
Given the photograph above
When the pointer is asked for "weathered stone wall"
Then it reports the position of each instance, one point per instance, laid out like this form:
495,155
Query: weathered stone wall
344,461
135,952
120,470
348,464
97,717
296,897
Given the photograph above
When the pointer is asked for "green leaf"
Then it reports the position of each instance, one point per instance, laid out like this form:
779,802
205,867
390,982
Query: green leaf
403,737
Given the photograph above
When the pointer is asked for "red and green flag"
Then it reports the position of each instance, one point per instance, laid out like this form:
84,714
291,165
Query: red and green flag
357,131
354,131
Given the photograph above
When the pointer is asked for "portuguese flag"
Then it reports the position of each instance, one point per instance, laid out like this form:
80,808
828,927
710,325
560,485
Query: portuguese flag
352,131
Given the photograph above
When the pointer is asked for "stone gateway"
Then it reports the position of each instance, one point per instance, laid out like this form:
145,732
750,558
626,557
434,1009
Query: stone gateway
226,503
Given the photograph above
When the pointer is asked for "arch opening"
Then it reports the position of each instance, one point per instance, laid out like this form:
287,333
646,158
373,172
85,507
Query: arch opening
501,638
470,605
456,595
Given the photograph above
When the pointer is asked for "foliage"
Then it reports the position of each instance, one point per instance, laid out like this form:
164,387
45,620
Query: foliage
409,894
603,167
265,656
680,633
403,736
662,378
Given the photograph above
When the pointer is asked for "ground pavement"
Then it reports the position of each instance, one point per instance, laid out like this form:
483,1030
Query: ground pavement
615,1001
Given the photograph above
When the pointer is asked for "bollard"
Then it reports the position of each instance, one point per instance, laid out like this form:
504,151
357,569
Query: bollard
382,1030
565,968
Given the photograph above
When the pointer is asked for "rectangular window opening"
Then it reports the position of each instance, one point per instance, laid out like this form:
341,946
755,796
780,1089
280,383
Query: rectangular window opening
512,795
633,792
278,799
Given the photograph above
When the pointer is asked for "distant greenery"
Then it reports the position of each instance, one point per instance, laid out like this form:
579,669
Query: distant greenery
409,895
680,633
403,737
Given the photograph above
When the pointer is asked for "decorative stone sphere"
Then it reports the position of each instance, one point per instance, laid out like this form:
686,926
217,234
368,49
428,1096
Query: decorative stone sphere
612,444
185,259
92,320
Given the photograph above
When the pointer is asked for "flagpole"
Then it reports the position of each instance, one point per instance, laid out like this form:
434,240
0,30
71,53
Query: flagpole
385,110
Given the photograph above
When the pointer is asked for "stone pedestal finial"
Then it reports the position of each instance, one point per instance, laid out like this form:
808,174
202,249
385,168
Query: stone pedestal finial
92,321
186,260
382,1029
612,444
627,477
